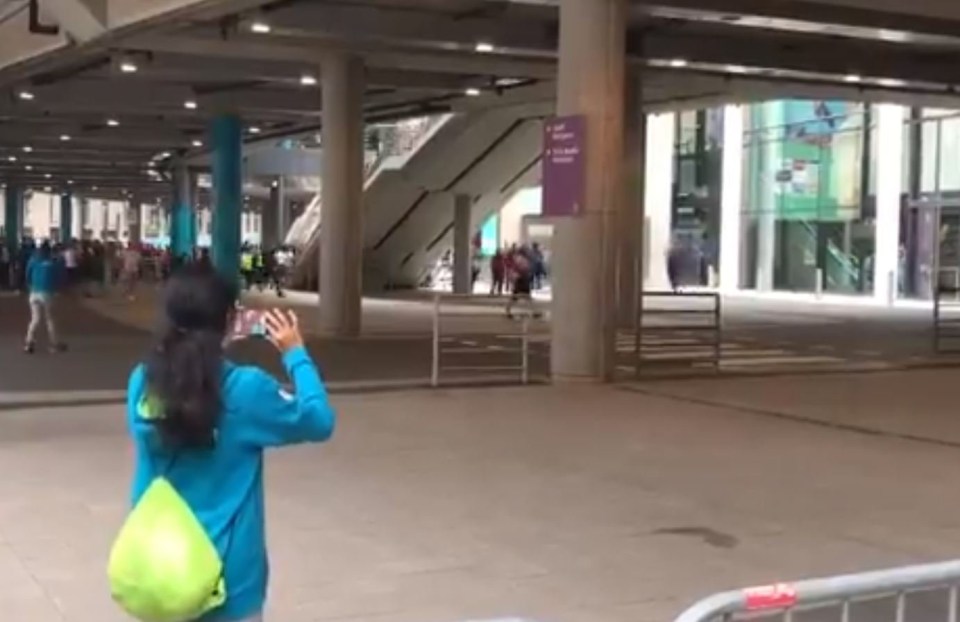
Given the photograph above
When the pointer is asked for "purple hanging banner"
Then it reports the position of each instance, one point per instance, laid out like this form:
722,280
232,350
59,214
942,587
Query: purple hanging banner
564,141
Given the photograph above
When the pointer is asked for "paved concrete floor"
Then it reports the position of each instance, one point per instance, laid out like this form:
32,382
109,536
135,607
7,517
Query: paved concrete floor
568,504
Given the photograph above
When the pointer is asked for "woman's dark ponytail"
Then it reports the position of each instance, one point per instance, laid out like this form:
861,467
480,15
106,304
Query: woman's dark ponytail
184,369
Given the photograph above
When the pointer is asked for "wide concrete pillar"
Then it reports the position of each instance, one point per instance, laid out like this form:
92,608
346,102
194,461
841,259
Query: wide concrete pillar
731,198
341,250
462,259
183,217
631,222
658,199
227,195
13,217
66,217
591,84
886,278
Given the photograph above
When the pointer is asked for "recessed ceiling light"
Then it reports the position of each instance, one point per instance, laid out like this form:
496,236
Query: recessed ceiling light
113,122
678,62
27,148
69,182
260,27
93,188
852,78
274,184
165,155
308,80
28,167
12,158
64,137
47,176
128,67
484,47
190,104
26,95
197,143
254,130
472,92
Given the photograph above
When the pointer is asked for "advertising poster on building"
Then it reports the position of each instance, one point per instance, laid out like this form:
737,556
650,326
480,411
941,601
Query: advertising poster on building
819,172
564,141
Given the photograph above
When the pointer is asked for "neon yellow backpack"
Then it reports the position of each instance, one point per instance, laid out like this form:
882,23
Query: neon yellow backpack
163,566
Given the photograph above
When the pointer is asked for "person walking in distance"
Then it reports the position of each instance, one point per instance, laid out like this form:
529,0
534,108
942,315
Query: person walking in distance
43,278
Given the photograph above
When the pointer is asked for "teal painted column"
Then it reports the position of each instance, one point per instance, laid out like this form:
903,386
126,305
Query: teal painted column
13,218
183,218
66,217
227,194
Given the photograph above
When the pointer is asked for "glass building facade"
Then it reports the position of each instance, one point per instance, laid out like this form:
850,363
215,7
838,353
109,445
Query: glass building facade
814,197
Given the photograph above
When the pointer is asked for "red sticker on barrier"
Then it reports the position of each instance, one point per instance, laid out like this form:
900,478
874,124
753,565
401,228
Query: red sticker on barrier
777,596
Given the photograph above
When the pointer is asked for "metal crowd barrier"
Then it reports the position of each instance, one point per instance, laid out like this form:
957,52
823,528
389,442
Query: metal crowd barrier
840,598
442,348
679,328
946,320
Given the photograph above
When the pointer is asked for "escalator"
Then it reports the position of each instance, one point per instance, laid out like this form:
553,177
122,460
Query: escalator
842,272
408,196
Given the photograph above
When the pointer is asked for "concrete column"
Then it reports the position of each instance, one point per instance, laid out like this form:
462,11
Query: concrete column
731,198
341,234
134,219
630,226
183,218
658,198
227,195
66,217
462,260
13,217
890,120
284,217
591,83
274,221
771,146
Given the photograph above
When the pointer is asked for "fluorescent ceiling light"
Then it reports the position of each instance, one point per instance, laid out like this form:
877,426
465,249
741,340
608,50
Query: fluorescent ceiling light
484,47
308,80
26,96
128,67
27,148
65,137
12,158
891,82
852,78
678,62
736,69
28,167
197,143
254,130
472,92
190,104
113,122
47,176
260,27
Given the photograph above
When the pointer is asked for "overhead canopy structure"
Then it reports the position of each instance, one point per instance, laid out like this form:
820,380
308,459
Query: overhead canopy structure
98,93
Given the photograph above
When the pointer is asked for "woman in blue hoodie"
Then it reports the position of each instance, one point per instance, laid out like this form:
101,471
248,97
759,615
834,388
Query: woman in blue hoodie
214,421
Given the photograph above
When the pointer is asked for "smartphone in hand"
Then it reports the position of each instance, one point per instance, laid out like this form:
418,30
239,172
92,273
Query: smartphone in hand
249,323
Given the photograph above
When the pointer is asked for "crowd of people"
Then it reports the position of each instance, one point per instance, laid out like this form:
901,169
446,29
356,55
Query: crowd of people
41,270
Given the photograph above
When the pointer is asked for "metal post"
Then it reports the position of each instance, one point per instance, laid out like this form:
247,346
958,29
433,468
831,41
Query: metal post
435,363
819,282
718,324
936,320
525,350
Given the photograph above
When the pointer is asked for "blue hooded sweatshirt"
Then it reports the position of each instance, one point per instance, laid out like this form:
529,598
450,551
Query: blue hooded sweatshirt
224,485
